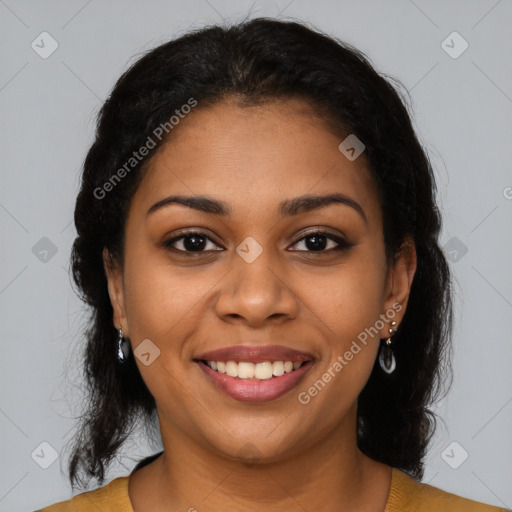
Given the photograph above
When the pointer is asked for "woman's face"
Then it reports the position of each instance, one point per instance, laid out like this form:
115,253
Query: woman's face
256,276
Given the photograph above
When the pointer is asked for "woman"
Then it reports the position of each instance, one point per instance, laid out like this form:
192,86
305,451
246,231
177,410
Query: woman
258,242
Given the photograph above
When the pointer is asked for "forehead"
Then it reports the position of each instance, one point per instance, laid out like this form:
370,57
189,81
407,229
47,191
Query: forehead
254,156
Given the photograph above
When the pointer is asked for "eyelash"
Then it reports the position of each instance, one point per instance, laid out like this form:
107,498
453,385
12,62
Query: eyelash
342,244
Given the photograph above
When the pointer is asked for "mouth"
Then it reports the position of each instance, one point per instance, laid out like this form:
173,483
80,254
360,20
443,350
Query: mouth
255,373
248,370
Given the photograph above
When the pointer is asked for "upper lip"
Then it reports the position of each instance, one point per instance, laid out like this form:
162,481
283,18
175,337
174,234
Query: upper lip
255,354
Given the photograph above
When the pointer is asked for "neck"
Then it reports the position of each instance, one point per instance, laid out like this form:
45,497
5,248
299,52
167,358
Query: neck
189,477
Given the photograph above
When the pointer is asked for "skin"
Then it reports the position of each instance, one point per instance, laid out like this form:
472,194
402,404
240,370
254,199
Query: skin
186,303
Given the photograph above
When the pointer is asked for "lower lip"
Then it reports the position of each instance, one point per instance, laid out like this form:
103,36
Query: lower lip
255,390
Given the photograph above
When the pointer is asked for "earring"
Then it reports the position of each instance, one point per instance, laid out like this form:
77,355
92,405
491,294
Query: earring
122,348
386,357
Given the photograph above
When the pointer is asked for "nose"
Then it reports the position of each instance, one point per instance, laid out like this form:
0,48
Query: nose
255,293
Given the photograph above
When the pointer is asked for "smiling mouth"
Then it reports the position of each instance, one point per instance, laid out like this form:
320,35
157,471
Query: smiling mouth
255,373
255,382
246,370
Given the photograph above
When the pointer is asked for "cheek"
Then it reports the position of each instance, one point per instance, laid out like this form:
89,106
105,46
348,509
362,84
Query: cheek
348,299
165,303
162,306
349,303
156,298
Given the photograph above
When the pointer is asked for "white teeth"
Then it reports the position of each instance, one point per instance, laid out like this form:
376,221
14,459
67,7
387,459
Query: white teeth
278,368
263,370
231,369
247,370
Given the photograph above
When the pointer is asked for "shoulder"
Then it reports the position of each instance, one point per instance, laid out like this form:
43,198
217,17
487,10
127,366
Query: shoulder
113,497
409,495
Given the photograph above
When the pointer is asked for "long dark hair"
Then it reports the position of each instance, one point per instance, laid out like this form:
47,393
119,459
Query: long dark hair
257,61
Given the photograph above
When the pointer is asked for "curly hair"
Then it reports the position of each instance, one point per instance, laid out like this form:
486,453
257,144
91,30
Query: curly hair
257,61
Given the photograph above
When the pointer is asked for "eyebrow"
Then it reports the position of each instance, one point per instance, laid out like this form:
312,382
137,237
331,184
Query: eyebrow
295,206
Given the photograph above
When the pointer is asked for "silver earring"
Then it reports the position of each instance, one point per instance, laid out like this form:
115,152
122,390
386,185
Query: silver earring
122,348
386,357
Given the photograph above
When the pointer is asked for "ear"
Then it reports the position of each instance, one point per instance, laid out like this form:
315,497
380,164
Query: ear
398,285
116,291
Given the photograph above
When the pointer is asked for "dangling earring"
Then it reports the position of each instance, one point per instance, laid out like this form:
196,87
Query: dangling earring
122,348
386,357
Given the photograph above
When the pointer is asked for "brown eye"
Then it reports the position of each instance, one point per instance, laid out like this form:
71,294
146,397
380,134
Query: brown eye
191,242
320,241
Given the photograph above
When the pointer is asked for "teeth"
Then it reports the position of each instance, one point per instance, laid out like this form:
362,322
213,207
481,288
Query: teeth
247,370
231,369
263,370
277,368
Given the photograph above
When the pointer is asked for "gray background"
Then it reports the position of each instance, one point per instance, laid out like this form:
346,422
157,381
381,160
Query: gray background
463,114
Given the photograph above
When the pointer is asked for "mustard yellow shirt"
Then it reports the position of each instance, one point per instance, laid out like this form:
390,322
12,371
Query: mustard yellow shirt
406,495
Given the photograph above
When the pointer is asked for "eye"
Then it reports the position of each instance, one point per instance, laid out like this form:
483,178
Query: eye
321,241
191,241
